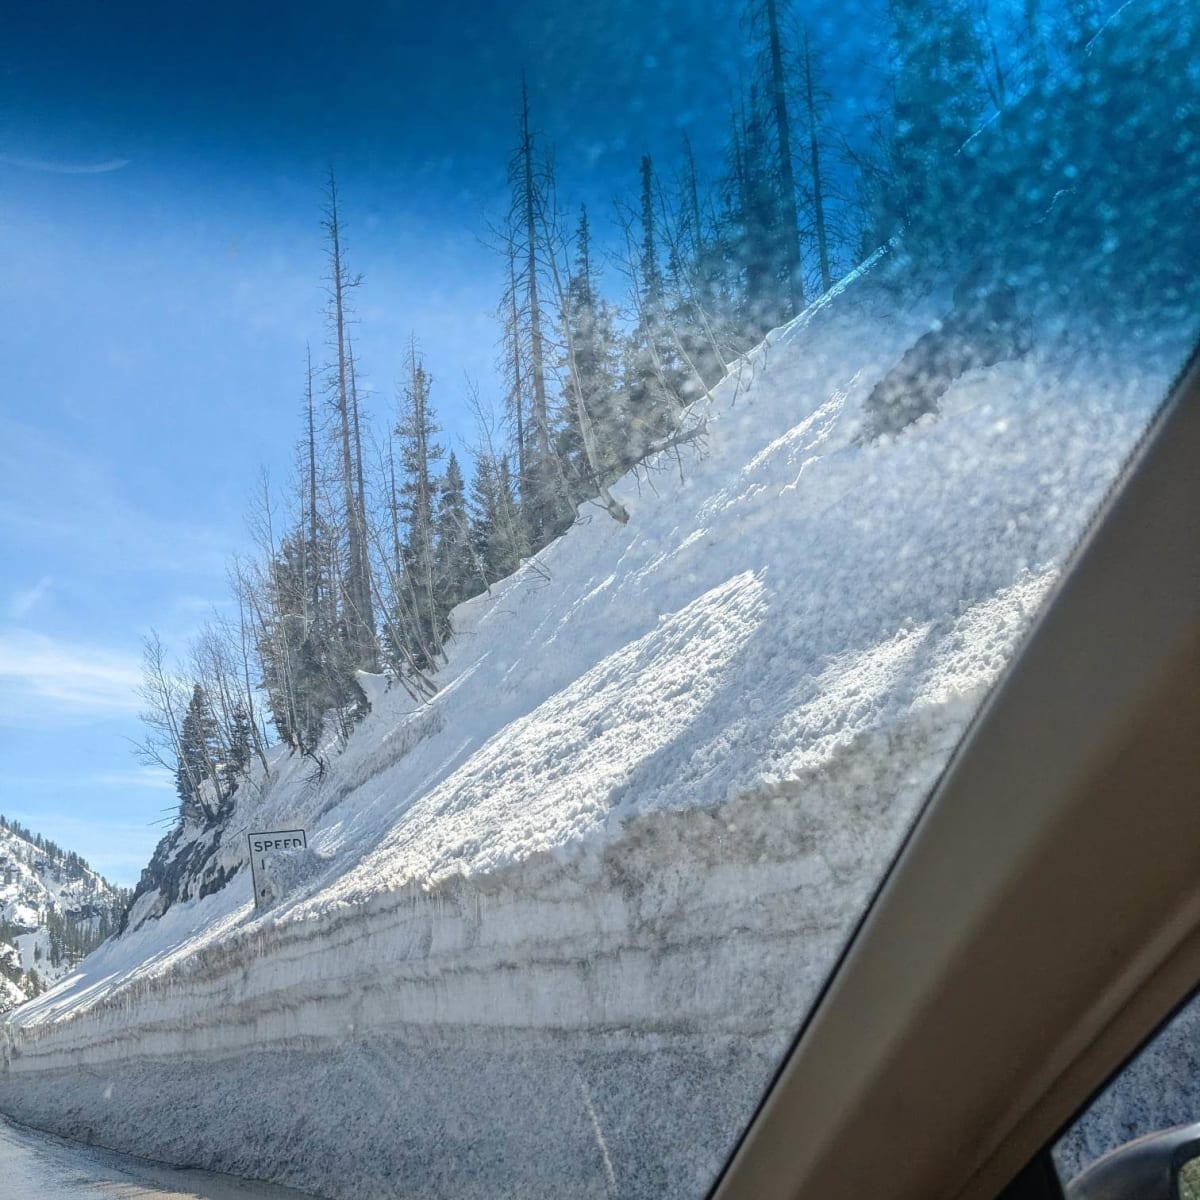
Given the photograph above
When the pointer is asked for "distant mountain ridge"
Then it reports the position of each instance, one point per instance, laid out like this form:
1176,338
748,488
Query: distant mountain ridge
54,909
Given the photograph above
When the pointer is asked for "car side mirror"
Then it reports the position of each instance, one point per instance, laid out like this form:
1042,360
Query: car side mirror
1160,1166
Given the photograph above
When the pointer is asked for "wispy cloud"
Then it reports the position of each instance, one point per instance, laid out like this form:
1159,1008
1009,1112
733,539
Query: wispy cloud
62,167
191,607
23,602
42,677
140,777
54,494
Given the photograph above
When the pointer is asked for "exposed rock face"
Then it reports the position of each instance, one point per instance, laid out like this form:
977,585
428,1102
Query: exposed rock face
184,866
984,328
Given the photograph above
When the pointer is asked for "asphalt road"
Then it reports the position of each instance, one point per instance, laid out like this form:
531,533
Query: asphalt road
36,1166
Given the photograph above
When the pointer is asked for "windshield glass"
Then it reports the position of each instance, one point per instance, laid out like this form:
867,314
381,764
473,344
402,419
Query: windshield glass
543,491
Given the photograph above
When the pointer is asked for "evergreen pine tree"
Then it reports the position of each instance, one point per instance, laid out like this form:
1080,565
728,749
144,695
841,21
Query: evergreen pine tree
455,577
199,757
653,378
591,391
701,296
754,226
483,506
813,103
938,104
766,19
419,453
240,747
512,539
545,507
357,608
497,532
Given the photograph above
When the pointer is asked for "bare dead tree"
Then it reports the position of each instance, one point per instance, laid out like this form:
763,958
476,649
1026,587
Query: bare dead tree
245,642
814,151
514,364
765,16
164,697
358,586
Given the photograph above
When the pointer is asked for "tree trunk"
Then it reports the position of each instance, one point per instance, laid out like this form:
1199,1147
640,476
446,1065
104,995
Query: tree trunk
815,153
360,635
787,178
311,560
540,413
693,199
366,599
518,398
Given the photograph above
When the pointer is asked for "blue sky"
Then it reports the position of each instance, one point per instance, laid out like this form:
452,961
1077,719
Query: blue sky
160,190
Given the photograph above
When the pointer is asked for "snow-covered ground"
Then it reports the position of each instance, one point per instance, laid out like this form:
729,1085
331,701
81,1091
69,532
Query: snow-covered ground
556,926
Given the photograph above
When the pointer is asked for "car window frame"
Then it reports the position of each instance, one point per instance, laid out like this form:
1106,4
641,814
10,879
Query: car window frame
1115,647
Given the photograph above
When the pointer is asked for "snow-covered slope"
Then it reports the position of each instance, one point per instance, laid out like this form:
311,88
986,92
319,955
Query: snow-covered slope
53,909
556,925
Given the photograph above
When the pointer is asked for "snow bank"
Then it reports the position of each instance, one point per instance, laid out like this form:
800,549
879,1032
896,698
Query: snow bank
559,923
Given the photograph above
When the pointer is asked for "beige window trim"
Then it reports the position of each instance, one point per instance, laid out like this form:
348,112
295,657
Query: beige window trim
1044,916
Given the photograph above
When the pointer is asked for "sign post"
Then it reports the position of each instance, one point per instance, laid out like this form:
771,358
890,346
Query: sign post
273,841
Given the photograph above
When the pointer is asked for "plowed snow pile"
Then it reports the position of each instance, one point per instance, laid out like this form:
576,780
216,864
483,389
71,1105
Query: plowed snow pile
557,925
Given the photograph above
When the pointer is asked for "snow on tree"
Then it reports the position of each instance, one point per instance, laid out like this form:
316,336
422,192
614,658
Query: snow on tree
454,574
416,432
528,244
198,780
653,373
